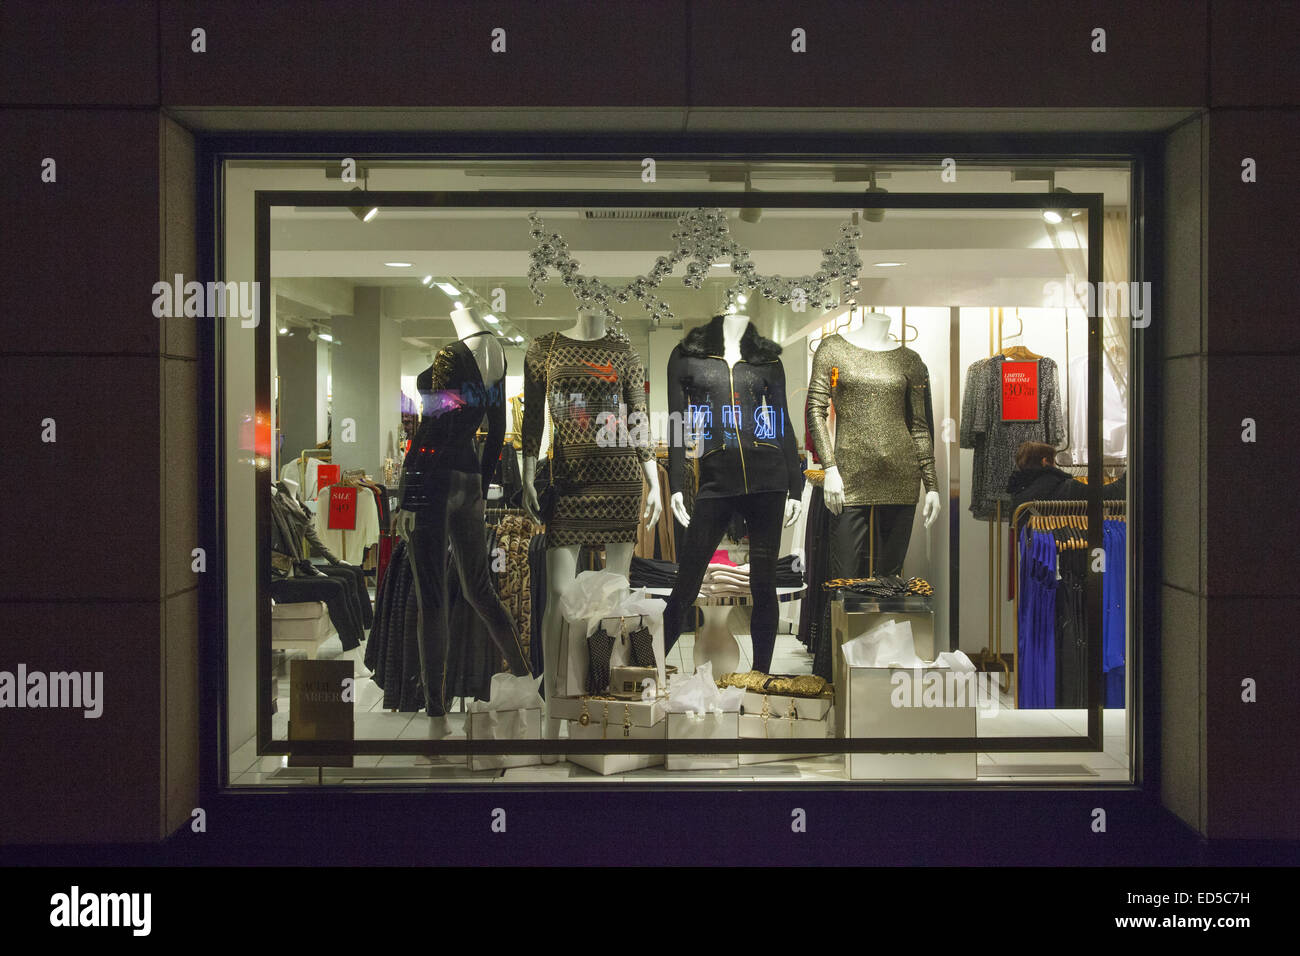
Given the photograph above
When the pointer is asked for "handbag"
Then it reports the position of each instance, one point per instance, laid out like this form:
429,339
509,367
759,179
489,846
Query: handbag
599,648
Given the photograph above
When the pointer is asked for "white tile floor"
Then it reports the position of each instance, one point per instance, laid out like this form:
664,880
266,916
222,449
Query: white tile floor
790,657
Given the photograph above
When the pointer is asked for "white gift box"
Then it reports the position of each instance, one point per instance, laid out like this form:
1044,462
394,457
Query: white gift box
715,726
910,702
805,708
642,713
503,725
606,764
753,727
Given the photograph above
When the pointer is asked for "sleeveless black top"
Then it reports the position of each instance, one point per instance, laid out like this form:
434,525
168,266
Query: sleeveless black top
454,402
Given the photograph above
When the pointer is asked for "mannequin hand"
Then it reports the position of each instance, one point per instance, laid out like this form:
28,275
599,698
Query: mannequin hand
679,509
532,507
792,508
653,506
931,507
404,524
653,510
833,490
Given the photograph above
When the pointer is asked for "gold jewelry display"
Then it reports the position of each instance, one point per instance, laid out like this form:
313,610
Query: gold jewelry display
627,720
604,723
584,718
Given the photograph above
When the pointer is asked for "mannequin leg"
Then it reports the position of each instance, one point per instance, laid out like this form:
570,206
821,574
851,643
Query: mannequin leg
465,530
561,569
708,523
618,557
893,535
764,514
428,556
848,545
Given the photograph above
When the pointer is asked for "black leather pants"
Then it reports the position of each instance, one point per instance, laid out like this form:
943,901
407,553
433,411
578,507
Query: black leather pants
455,519
850,530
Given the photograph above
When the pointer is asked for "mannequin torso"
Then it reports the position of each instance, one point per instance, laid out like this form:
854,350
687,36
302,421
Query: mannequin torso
488,353
873,335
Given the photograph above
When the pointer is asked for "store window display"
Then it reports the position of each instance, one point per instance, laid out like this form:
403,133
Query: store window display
726,385
444,485
883,446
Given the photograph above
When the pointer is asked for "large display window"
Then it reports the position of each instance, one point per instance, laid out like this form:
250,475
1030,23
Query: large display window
560,472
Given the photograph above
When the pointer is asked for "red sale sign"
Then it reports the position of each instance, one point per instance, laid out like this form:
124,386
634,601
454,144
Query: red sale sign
343,509
1020,391
327,475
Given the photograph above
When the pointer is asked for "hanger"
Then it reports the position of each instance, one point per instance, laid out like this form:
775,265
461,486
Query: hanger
1017,353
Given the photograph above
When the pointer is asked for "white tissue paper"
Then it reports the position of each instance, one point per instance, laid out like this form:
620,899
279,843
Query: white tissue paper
956,660
508,692
888,644
698,693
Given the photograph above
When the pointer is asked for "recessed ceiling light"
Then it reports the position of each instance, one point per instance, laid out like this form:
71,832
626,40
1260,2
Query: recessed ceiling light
426,280
519,338
284,331
448,288
888,265
722,265
398,265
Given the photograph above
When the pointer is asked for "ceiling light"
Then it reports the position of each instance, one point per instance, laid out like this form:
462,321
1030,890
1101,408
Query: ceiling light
874,215
361,212
491,319
731,309
426,280
326,337
888,265
312,336
518,338
459,304
398,265
722,265
742,298
284,331
1052,216
448,288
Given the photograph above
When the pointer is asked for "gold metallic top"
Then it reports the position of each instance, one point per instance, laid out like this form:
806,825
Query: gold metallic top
883,446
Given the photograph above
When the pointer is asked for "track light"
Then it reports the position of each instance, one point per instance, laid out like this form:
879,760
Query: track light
874,215
449,289
752,213
361,212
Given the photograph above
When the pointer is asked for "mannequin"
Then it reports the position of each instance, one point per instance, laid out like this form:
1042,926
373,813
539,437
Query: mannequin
562,558
893,516
726,386
444,484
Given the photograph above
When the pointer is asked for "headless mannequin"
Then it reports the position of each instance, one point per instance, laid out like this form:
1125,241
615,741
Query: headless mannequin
874,336
733,327
490,358
562,562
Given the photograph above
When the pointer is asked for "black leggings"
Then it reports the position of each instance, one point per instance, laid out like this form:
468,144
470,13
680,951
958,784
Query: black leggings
455,518
850,530
764,513
334,592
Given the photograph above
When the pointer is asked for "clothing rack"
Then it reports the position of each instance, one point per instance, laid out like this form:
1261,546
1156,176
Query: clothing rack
1050,509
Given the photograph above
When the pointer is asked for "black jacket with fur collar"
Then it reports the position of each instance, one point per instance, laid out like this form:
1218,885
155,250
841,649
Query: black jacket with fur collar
746,443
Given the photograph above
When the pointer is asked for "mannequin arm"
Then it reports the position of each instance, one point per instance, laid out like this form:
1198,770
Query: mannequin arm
653,509
678,505
532,507
792,509
833,490
931,511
